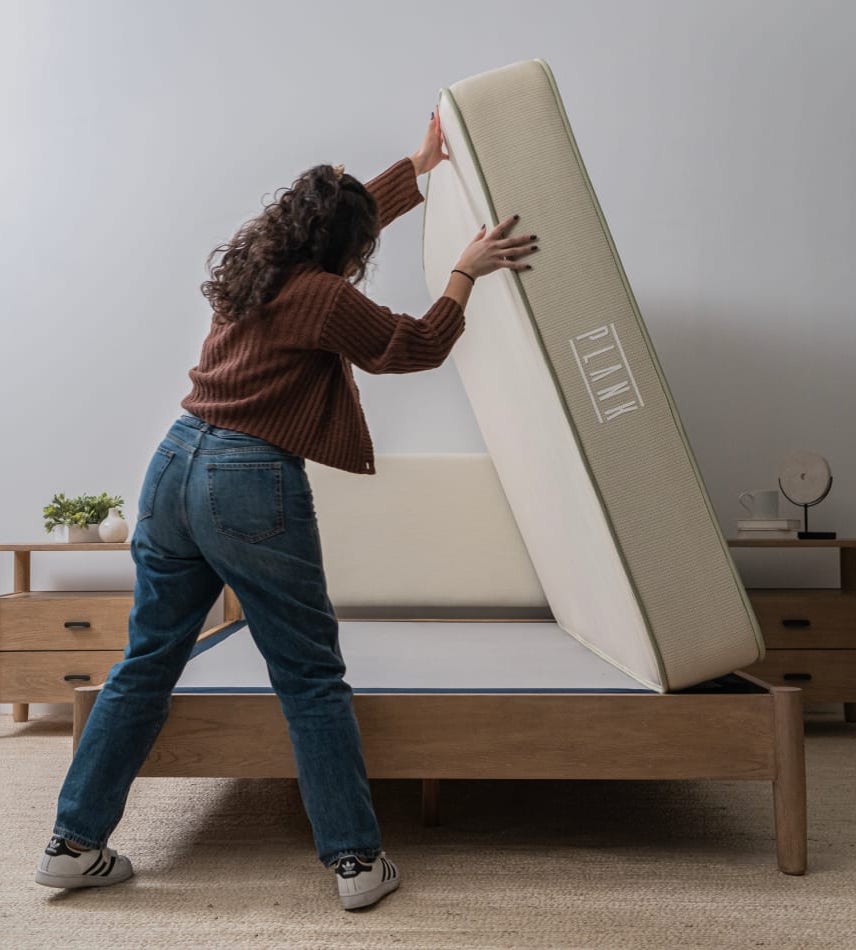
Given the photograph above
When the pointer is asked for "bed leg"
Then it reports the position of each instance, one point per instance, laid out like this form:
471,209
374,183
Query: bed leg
84,700
20,712
430,801
232,609
850,712
789,791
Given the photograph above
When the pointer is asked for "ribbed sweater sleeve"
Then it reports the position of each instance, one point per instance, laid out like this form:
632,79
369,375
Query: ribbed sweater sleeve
380,341
395,191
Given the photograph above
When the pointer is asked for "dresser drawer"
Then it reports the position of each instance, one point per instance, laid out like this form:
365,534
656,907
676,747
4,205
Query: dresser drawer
65,620
805,619
43,677
825,676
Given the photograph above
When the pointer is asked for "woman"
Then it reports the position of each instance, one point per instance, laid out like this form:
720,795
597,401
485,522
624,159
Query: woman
225,499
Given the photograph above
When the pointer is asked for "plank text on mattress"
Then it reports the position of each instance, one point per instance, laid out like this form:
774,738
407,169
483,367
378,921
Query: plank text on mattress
606,373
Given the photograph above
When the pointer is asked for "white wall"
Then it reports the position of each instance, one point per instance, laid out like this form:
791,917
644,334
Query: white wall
719,135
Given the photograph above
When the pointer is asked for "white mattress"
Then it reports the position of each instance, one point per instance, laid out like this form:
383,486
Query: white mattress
571,400
391,656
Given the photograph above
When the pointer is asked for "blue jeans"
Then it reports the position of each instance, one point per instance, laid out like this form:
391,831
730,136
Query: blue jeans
218,506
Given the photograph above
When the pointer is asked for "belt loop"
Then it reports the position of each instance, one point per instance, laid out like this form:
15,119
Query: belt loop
201,431
198,423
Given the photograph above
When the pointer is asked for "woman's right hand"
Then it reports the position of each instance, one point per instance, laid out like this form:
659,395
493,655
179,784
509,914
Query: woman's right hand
491,250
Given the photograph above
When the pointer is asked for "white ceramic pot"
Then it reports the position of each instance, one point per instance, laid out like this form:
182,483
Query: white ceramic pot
113,529
74,534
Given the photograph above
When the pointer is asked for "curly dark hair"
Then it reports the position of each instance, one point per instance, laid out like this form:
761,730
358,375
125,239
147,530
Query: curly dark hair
323,219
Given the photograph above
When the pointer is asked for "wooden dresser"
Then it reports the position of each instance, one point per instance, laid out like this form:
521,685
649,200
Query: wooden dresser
810,633
53,641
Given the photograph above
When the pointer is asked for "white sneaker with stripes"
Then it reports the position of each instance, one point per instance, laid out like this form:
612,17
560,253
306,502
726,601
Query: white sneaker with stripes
362,883
62,866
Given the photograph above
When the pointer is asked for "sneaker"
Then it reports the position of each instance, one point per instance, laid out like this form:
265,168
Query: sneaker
63,867
362,883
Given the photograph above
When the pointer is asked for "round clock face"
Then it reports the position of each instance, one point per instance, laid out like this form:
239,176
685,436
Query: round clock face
805,478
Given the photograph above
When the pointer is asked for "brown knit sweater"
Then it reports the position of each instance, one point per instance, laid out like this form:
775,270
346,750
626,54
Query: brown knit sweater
284,372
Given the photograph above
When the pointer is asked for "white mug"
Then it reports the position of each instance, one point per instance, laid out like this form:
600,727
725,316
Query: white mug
761,502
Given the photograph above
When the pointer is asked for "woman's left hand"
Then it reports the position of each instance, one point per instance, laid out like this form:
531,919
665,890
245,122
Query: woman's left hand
430,153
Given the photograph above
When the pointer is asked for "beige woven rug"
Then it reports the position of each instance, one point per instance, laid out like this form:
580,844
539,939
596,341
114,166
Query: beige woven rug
229,863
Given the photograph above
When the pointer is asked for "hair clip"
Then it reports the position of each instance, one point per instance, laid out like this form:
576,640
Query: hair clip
338,171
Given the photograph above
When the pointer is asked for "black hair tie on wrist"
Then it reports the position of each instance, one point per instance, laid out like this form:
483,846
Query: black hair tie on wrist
456,271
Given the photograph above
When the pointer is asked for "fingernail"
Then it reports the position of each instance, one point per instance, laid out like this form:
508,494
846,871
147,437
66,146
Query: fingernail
432,115
534,247
517,217
481,228
533,237
528,267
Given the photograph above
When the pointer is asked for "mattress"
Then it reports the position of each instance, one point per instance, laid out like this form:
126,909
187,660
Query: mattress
571,400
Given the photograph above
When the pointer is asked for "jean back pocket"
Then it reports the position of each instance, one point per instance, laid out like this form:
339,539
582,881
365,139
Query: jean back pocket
246,499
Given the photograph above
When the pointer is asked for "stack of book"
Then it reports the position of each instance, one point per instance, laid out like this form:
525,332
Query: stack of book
764,528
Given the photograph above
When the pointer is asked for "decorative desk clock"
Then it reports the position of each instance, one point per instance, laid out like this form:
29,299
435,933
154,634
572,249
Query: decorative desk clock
805,479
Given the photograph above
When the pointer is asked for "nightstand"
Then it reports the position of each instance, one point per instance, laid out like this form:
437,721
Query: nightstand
53,641
810,633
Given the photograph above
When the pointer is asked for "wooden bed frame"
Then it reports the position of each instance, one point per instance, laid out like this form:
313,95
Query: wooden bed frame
755,735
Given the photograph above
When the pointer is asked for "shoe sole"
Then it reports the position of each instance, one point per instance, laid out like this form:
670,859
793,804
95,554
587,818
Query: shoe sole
80,880
355,901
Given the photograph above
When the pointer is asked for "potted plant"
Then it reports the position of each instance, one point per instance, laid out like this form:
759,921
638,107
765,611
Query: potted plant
76,520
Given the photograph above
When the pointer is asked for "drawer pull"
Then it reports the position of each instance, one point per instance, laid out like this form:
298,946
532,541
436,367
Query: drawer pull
77,624
75,677
801,677
795,622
